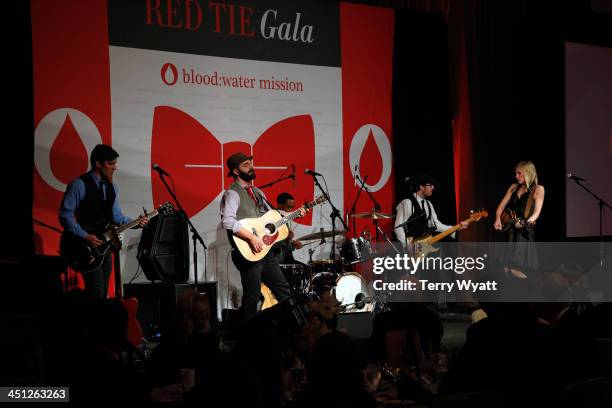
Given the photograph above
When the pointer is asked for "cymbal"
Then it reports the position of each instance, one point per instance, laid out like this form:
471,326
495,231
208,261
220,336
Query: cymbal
320,235
374,215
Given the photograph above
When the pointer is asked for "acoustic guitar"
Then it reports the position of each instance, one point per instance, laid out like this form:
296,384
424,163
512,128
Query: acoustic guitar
271,227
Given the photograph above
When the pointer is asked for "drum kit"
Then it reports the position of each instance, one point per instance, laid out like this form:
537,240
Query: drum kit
323,277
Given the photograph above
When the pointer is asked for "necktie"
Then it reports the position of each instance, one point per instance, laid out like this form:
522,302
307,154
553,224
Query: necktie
249,189
423,207
104,188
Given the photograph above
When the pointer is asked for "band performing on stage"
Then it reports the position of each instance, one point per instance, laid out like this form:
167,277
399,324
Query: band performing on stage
291,204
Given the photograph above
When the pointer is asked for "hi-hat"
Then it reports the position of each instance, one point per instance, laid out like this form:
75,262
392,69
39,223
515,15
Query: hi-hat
373,215
320,235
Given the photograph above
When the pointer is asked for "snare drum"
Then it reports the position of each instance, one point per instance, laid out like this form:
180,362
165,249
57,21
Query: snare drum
355,250
348,287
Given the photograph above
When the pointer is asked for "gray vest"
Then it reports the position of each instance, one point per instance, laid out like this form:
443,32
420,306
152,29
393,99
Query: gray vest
247,208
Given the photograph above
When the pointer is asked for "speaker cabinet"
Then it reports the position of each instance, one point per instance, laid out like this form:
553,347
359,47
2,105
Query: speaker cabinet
357,324
163,251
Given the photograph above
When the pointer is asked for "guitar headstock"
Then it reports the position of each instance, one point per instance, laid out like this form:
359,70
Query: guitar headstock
477,215
165,209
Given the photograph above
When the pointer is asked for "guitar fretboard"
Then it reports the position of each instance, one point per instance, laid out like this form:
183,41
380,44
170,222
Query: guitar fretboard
130,224
135,222
295,214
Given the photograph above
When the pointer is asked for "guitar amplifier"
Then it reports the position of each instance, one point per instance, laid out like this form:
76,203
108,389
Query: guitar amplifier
163,251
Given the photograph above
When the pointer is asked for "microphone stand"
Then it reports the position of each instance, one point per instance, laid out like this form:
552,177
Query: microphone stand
376,205
277,181
353,208
601,203
195,236
335,214
405,224
42,224
59,231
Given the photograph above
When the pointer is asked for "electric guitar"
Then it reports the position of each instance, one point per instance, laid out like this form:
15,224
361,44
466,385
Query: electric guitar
424,245
271,227
81,256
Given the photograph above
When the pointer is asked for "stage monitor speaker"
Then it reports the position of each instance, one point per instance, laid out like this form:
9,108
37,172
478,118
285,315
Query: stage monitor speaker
163,252
357,324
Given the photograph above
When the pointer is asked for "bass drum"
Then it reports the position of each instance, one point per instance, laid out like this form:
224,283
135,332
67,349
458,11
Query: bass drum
351,288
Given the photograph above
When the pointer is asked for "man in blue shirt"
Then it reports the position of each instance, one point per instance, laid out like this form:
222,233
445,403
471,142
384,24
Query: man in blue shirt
88,200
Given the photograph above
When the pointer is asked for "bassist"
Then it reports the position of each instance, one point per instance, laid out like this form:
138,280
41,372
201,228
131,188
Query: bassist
88,200
419,211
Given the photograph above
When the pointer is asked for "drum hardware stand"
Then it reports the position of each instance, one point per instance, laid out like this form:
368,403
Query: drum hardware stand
377,207
310,252
360,302
334,215
354,207
386,238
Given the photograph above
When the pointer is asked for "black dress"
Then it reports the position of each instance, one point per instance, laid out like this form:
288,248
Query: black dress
521,249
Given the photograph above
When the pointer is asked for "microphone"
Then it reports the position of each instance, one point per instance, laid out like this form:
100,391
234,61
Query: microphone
160,170
311,172
293,174
576,178
356,174
407,179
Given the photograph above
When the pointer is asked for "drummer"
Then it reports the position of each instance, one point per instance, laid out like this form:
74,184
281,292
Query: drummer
285,203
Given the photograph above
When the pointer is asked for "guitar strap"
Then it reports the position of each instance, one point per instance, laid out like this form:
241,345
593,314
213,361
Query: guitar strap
264,199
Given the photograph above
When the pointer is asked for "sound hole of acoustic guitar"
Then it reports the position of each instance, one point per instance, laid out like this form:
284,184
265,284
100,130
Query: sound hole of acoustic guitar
270,229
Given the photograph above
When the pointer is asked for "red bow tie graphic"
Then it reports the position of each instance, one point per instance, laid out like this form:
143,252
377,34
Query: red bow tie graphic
196,159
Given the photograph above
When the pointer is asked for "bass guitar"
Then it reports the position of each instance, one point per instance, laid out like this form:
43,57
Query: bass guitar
424,245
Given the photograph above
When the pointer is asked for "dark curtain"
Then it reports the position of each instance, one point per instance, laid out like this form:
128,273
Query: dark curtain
470,106
422,134
18,152
513,52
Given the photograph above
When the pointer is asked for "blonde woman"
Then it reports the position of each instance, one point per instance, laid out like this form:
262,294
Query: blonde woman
518,212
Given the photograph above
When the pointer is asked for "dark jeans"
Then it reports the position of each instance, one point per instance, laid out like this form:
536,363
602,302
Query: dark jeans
96,281
253,273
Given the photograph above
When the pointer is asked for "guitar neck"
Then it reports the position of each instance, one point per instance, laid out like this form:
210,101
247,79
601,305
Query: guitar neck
135,222
295,214
444,234
291,217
